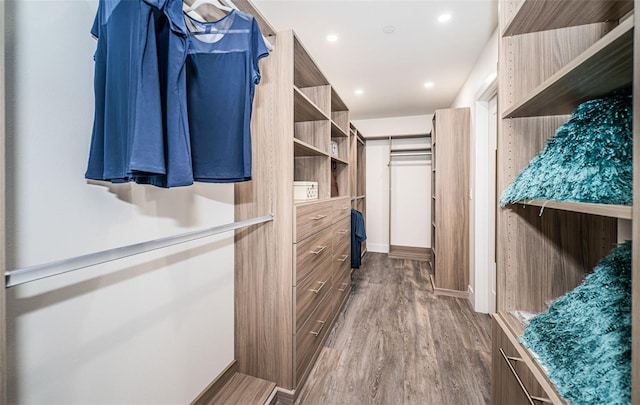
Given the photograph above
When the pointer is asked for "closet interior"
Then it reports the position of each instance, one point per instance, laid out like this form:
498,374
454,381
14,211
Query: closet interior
553,56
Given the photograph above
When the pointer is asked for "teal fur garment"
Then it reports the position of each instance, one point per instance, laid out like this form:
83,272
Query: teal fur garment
584,338
589,159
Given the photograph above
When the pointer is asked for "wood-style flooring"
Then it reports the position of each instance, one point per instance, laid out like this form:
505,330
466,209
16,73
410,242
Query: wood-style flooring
396,342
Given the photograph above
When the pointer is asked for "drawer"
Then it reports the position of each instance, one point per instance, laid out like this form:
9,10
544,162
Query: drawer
513,377
341,209
311,291
342,265
311,252
312,217
341,235
311,335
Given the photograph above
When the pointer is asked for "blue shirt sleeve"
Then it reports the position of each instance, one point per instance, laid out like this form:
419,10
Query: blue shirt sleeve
259,49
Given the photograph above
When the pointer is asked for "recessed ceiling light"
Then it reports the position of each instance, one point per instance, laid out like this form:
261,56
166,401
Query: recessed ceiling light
444,17
428,85
358,92
332,37
389,29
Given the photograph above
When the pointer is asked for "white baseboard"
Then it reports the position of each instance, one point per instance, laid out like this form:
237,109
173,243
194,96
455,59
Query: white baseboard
472,297
377,248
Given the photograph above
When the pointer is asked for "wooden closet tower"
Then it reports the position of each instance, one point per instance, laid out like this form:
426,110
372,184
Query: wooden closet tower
293,275
553,55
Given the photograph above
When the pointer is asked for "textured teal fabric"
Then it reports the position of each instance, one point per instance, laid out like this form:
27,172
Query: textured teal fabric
589,159
584,338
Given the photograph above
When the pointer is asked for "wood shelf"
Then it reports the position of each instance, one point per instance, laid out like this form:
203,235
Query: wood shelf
604,210
336,131
542,15
302,149
305,71
601,69
305,109
339,160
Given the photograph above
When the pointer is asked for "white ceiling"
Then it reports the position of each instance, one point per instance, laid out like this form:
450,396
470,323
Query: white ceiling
390,68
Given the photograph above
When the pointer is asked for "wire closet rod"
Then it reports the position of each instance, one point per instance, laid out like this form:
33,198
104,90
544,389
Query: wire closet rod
40,271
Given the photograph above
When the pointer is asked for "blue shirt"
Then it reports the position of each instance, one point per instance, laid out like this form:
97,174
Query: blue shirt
358,235
222,71
127,138
171,37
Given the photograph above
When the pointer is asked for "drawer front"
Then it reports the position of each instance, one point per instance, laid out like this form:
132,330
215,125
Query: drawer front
341,235
341,209
310,253
311,291
342,267
311,335
310,218
512,380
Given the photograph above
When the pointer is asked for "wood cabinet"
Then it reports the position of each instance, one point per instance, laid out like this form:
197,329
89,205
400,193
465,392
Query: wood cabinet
358,169
291,280
450,202
553,56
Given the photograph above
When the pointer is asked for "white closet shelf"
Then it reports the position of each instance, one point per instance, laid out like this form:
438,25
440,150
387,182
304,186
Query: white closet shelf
610,60
605,210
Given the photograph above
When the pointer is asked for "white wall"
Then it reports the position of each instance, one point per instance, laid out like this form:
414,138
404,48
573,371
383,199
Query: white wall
151,329
480,78
378,184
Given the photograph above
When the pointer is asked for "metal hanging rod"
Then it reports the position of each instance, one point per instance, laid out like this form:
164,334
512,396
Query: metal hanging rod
40,271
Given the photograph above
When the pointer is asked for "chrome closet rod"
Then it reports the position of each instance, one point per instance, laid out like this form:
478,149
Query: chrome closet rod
40,271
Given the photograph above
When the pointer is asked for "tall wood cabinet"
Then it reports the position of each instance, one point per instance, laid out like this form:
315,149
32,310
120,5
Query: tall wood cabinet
292,275
449,201
552,56
358,168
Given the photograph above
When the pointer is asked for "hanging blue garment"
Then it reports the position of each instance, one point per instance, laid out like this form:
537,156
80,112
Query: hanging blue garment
172,37
222,71
127,138
140,127
358,235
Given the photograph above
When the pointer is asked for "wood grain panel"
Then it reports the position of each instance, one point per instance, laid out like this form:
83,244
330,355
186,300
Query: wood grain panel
541,15
605,210
343,146
244,389
208,394
341,235
314,169
312,217
311,252
319,96
312,290
306,71
263,279
310,337
362,169
314,133
339,178
529,60
610,60
305,109
519,364
341,209
452,202
341,119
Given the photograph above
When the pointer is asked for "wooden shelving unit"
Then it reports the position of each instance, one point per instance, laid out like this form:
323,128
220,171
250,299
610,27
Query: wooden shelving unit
296,280
587,53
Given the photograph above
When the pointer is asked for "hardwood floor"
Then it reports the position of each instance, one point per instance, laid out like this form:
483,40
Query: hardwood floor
399,343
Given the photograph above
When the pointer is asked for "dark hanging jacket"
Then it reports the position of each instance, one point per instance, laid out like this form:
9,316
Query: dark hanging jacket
358,235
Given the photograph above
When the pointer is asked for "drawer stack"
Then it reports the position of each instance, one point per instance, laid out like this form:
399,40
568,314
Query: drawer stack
322,274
